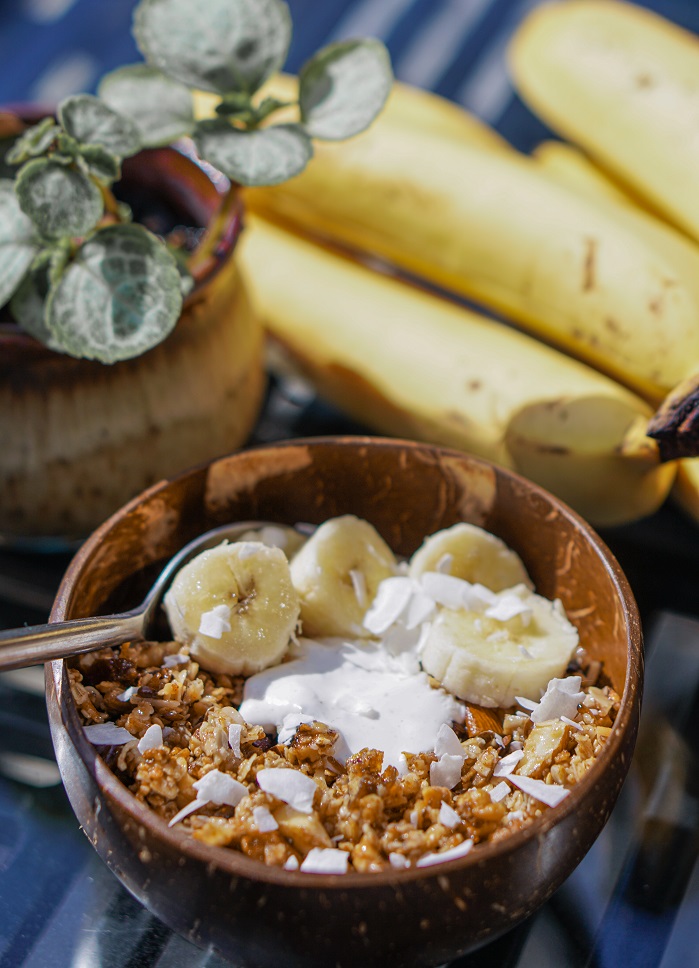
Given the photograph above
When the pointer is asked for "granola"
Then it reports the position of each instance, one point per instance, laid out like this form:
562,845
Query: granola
362,816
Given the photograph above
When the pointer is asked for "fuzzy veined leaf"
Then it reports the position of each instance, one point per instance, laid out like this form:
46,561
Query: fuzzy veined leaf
100,163
18,242
264,156
28,305
343,88
90,121
120,297
34,142
160,107
216,45
59,200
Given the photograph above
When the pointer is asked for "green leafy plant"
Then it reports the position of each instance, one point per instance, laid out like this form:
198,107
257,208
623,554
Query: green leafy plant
77,273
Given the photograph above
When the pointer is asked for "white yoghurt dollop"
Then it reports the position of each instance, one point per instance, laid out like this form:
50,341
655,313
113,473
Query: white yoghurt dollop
366,692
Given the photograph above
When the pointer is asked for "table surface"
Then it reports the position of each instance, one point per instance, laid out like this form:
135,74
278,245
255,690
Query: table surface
634,900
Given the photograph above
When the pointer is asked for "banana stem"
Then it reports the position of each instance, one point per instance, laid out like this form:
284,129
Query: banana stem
675,425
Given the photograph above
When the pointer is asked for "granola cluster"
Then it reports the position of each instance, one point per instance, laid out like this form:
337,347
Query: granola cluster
379,817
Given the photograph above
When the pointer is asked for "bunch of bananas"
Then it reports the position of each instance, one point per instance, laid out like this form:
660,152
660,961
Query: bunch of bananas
591,248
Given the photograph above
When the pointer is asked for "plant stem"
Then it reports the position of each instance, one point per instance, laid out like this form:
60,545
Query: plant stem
219,235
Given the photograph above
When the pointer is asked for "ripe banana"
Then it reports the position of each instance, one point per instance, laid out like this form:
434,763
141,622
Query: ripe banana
571,167
410,364
408,106
337,573
493,227
490,662
468,552
623,83
235,606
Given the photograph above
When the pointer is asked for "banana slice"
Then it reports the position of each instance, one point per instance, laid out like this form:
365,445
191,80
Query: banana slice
235,606
337,574
467,551
277,536
490,662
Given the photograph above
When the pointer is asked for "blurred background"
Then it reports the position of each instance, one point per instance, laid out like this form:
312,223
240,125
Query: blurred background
52,48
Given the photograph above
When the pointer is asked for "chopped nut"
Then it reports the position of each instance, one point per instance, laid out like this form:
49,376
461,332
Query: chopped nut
304,830
543,743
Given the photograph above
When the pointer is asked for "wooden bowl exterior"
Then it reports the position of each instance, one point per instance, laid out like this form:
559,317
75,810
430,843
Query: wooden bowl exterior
264,917
80,438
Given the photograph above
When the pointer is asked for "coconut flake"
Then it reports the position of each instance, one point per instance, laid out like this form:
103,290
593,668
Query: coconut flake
446,590
325,860
398,862
359,585
506,765
235,732
291,863
421,608
264,821
195,804
427,860
499,792
127,694
107,734
448,742
151,739
174,660
392,599
562,698
290,723
525,703
444,564
294,788
448,816
549,793
219,787
507,605
216,621
446,772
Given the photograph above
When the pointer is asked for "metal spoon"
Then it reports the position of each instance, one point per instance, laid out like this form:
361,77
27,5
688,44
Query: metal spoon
59,640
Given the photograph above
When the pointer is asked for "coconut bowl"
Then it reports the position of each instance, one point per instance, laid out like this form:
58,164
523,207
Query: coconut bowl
264,917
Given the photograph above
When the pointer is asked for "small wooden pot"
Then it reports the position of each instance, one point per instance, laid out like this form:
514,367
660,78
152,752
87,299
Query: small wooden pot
79,438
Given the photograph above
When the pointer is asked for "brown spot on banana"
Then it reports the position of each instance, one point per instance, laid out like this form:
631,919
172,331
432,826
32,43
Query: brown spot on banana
590,265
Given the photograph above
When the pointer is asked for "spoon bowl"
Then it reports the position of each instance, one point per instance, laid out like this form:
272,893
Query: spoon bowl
60,640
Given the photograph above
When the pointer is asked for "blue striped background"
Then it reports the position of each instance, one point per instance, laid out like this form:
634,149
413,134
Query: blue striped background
51,48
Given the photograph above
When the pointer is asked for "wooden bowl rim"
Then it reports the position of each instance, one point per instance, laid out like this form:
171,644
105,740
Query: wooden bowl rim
237,864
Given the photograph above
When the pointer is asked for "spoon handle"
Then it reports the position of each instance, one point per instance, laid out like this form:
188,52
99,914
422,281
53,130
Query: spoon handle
42,643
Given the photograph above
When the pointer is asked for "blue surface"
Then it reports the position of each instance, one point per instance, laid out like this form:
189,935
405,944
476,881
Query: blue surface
52,48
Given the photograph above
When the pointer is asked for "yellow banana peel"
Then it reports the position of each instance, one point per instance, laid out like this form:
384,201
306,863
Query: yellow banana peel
623,84
571,167
409,106
494,227
409,363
